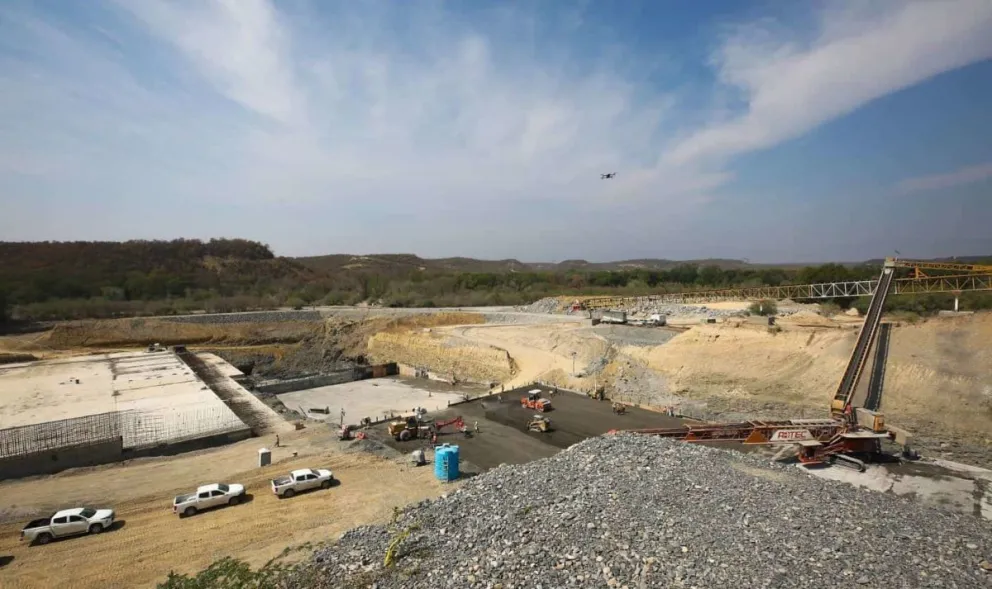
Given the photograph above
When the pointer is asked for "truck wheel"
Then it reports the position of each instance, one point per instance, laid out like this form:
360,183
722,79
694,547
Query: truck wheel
43,538
234,500
96,529
289,493
405,435
190,511
325,484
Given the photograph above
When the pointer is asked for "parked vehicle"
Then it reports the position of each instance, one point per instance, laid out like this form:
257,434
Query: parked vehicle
208,496
302,480
659,319
613,317
68,522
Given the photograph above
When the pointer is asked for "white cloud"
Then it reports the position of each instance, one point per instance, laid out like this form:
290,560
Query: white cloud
350,105
959,177
862,52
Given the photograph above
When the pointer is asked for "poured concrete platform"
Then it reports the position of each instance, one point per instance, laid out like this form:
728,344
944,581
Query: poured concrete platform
172,402
372,398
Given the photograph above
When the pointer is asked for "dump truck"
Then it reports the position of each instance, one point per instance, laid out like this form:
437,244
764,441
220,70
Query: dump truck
619,317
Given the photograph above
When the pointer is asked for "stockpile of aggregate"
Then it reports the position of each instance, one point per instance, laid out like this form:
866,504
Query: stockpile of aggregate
636,511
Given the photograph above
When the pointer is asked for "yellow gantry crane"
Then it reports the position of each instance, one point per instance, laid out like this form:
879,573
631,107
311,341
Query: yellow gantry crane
919,266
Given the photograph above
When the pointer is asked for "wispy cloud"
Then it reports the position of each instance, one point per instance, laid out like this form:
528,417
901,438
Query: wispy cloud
417,109
960,177
860,52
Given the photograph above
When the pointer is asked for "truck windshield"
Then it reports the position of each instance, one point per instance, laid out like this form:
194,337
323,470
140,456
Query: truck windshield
223,487
87,512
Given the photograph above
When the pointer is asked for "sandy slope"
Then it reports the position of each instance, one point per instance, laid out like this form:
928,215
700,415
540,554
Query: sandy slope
938,379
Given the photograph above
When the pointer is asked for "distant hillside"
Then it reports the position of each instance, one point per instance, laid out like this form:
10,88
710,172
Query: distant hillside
59,280
402,263
143,270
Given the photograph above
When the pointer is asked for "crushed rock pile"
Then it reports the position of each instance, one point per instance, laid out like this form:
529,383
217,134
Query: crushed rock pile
545,305
632,511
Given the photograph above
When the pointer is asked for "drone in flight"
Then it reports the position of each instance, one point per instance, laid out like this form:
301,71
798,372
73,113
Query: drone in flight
607,176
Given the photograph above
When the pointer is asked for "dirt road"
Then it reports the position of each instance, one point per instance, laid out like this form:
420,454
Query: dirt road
151,541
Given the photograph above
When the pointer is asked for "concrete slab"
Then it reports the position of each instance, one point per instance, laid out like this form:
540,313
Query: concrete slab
956,487
172,402
371,398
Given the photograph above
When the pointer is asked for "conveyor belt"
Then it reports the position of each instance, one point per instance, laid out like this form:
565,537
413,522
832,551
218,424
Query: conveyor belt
856,365
874,400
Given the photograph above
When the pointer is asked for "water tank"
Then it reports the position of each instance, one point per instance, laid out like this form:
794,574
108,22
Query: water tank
446,462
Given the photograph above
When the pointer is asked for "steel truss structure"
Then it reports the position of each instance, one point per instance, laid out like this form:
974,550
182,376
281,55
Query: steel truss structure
858,288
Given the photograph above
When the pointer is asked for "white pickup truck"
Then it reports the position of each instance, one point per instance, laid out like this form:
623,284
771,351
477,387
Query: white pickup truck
68,522
302,480
208,496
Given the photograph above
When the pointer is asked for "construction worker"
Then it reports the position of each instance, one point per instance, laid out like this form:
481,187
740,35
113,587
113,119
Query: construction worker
476,426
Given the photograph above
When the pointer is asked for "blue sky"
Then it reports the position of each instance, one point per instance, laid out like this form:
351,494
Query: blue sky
773,131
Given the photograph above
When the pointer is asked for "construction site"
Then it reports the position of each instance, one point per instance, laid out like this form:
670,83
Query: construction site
872,401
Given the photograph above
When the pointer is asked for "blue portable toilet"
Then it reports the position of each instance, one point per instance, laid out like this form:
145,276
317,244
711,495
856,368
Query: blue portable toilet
446,462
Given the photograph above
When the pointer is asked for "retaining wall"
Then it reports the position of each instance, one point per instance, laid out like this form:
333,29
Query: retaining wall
323,380
174,448
308,382
53,461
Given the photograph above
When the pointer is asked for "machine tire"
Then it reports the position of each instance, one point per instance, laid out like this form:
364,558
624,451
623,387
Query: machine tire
43,538
189,511
288,493
326,484
234,500
96,529
405,435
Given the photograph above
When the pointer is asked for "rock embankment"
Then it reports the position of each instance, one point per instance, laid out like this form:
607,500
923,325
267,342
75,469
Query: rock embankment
464,361
634,511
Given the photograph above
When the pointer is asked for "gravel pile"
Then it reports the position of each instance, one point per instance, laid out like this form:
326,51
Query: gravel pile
545,305
633,511
250,317
648,307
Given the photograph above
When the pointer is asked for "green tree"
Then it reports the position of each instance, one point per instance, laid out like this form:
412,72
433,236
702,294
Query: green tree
4,308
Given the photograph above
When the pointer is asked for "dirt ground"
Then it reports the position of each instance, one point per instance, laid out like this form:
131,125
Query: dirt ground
150,540
503,439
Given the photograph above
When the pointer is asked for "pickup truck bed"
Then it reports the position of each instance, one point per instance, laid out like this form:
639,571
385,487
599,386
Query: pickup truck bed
38,523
